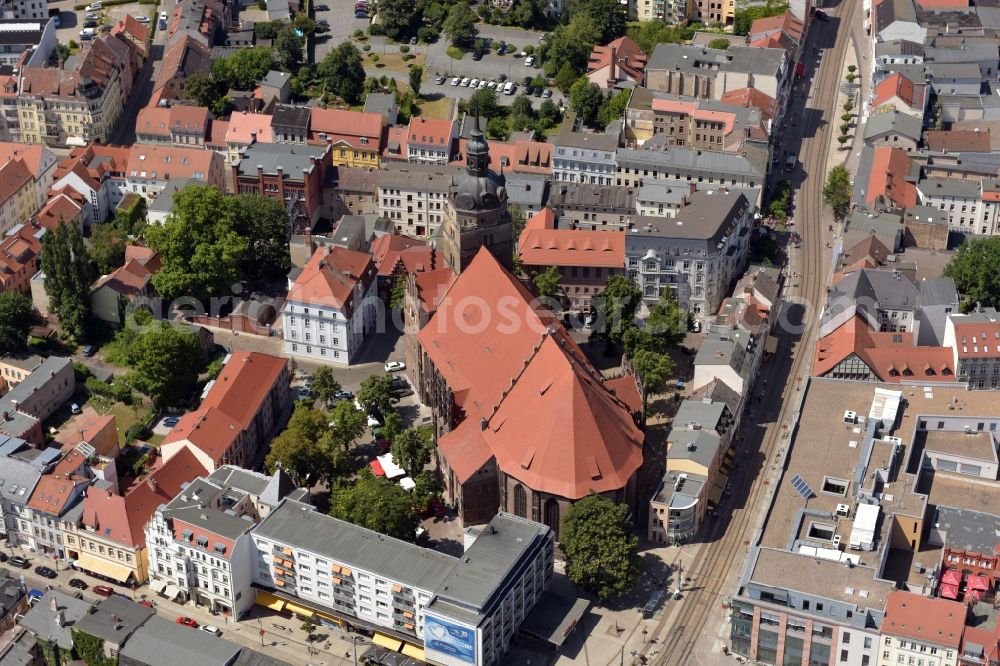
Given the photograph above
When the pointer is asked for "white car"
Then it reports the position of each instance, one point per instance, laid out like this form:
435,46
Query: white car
94,6
394,366
474,83
74,408
211,628
529,61
373,422
483,84
455,81
163,16
465,82
510,88
142,19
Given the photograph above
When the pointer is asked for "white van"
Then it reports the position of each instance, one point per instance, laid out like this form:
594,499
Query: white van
509,88
87,33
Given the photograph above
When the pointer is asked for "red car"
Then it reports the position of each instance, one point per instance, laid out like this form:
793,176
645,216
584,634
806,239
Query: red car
147,604
103,590
187,622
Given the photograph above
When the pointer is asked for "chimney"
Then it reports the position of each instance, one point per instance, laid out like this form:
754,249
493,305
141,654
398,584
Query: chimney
151,482
14,405
612,79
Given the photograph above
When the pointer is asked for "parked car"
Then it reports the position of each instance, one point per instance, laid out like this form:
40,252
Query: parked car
322,26
187,622
163,16
399,383
3,557
465,82
103,591
171,421
502,78
474,83
360,15
322,8
19,562
304,393
455,81
122,596
403,392
74,408
211,628
45,572
510,88
106,27
90,23
413,40
87,34
394,366
343,395
547,93
478,55
78,584
94,7
91,15
146,603
538,91
439,79
529,61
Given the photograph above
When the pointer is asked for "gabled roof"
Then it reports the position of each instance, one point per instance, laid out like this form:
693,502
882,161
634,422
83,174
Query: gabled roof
888,177
430,132
542,245
433,286
977,334
169,162
53,493
348,126
899,87
244,383
134,275
532,157
629,59
927,619
893,122
162,121
331,276
34,156
752,97
958,141
244,127
61,206
787,23
393,251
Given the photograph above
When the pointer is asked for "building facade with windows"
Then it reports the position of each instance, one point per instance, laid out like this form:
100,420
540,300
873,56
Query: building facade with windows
584,158
414,197
921,630
294,175
975,341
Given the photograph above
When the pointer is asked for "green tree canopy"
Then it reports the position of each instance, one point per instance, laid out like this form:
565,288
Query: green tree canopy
586,98
616,308
164,359
837,190
416,76
306,449
746,16
107,247
975,268
665,327
614,107
287,49
569,45
547,283
202,89
460,24
376,394
484,104
647,34
325,385
346,424
393,427
409,451
244,68
69,275
497,129
377,504
400,18
601,549
16,317
344,72
609,17
654,369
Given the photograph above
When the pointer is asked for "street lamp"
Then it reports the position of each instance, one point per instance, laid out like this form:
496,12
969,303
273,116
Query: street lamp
354,644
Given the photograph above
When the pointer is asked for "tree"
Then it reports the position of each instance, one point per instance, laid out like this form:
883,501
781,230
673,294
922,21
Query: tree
393,426
460,25
68,276
288,49
616,308
600,548
614,107
398,294
165,360
547,284
609,17
837,190
244,68
16,318
264,222
377,504
62,52
781,198
667,320
569,44
107,247
744,18
720,43
376,394
344,72
347,423
410,452
647,34
585,98
566,77
399,17
975,268
549,113
304,24
305,449
325,385
654,369
416,76
497,129
517,220
202,89
484,104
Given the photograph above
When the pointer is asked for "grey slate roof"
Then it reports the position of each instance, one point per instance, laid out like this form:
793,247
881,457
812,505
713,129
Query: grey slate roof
900,47
115,619
527,189
286,115
424,177
715,352
187,508
11,592
591,196
700,446
41,620
37,379
718,391
706,415
383,103
893,122
292,158
703,60
706,217
160,642
672,192
587,141
276,79
18,479
248,657
164,202
926,215
974,52
949,188
304,527
688,158
938,291
969,530
891,11
887,290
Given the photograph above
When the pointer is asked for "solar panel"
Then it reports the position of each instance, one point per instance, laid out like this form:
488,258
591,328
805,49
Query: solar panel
802,487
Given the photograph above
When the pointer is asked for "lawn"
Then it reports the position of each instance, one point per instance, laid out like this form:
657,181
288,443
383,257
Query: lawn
441,108
394,62
125,415
155,440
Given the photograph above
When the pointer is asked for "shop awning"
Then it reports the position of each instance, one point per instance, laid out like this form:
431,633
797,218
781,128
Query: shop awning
270,601
951,577
157,585
949,591
172,591
413,652
377,468
979,582
973,596
771,345
386,642
298,610
118,572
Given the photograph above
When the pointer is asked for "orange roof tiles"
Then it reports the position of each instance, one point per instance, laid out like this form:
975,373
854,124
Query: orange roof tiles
433,286
392,252
31,156
331,276
895,86
245,127
545,246
60,207
429,132
958,141
243,384
977,339
169,162
936,621
160,121
132,28
887,178
626,55
502,155
348,126
86,427
14,176
532,157
786,23
692,109
129,279
53,492
752,97
208,428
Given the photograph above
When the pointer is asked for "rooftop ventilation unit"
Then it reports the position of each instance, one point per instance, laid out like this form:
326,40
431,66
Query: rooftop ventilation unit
850,417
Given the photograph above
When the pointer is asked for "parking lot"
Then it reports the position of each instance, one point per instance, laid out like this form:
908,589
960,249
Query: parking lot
71,22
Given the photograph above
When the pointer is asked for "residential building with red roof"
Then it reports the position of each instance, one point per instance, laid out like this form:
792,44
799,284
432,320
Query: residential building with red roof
95,430
180,125
526,423
244,130
395,255
891,180
20,252
430,140
355,137
108,540
205,530
332,306
898,93
55,495
424,291
238,416
784,31
686,122
97,174
528,157
758,99
63,206
151,168
974,342
17,195
138,34
916,626
585,259
621,61
40,162
183,57
131,280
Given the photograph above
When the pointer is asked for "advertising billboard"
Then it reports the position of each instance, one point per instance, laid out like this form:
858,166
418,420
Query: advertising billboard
447,638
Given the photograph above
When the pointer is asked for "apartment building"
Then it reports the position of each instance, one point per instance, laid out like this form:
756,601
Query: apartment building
430,140
414,196
18,35
579,157
332,307
186,55
55,500
919,628
972,206
74,107
663,198
238,416
698,253
97,175
294,175
585,259
463,610
150,168
290,124
45,385
25,9
745,171
975,341
21,466
107,540
180,125
199,544
622,61
20,257
591,207
244,130
355,137
713,11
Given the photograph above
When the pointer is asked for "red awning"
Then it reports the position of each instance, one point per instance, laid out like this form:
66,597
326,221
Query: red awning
949,591
973,596
377,468
951,577
978,582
